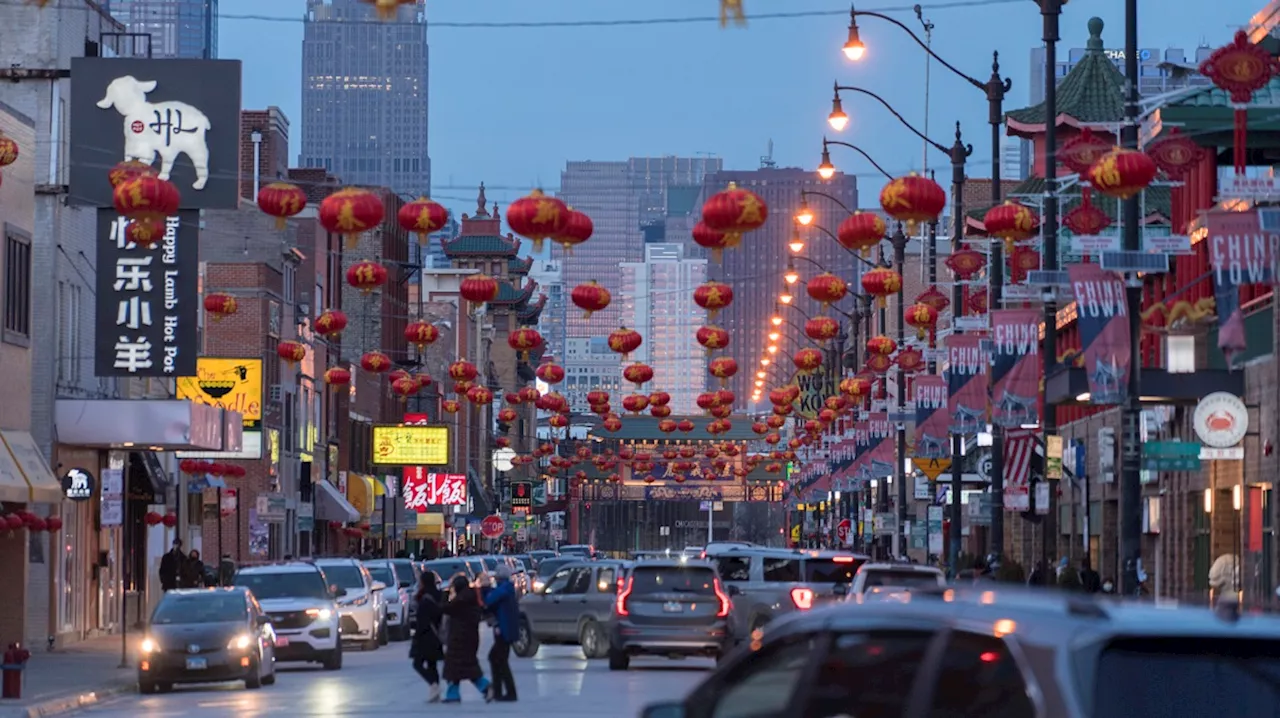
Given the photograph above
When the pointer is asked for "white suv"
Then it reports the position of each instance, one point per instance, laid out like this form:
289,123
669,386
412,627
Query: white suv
302,610
401,581
360,601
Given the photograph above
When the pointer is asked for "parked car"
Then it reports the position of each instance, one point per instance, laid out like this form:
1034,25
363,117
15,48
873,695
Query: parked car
304,611
766,583
580,550
401,581
539,555
207,636
898,577
447,568
997,652
549,567
670,608
360,601
574,608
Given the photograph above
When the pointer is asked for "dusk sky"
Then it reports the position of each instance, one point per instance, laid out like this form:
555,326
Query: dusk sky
510,105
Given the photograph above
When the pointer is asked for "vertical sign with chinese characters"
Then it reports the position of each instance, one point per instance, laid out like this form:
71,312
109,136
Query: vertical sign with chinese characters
147,300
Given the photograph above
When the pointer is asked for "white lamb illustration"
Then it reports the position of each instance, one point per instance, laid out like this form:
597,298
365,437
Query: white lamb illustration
167,128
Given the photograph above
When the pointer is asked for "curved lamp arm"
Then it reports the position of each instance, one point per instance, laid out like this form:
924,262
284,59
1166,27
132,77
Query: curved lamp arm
853,27
826,142
836,239
806,192
849,88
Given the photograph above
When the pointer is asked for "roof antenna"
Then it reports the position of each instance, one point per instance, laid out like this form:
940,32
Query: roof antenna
766,162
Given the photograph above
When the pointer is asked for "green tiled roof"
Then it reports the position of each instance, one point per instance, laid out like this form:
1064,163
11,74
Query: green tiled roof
1157,200
681,199
528,316
516,265
1092,92
645,428
1210,96
508,294
481,245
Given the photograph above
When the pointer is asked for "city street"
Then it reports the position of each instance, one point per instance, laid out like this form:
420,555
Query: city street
558,681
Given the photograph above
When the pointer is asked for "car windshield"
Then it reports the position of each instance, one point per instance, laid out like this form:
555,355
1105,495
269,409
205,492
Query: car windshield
346,576
404,572
828,570
447,569
1209,674
673,579
550,565
901,579
291,584
209,607
383,574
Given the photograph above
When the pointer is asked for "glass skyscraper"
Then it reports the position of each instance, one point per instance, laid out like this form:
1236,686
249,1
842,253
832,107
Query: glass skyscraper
178,28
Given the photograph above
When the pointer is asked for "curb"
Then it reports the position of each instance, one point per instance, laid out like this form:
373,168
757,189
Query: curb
67,704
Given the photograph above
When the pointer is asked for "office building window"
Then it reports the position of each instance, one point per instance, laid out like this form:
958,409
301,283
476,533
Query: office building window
17,286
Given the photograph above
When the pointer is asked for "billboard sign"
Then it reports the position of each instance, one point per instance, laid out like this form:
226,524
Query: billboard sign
410,445
423,489
231,384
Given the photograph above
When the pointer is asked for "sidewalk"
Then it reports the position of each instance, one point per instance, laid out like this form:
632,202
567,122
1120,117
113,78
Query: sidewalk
63,680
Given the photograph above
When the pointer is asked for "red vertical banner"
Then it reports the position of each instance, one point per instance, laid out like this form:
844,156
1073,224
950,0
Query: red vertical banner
1016,367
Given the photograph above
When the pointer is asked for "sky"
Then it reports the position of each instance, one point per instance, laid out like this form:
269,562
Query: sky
509,106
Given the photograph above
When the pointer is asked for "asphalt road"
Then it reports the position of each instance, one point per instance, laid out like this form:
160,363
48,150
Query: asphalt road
558,681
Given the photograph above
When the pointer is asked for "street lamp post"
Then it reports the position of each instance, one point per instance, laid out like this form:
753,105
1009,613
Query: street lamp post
1131,451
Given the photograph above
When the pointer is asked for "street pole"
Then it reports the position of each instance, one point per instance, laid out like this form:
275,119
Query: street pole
882,489
959,155
900,542
996,89
1131,451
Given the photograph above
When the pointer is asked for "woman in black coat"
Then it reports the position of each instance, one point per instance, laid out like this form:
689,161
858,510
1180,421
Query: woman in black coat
463,615
427,649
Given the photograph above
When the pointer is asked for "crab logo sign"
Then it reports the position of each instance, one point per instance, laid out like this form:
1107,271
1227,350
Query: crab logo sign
1221,420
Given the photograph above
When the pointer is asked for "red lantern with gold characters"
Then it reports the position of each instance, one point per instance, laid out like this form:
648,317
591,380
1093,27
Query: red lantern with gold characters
685,426
578,228
1122,173
281,200
421,217
479,395
635,403
880,283
923,317
861,232
722,368
712,338
524,340
1012,222
637,373
913,199
405,387
375,362
538,217
590,297
507,415
667,426
713,296
146,232
659,398
451,406
366,276
291,352
660,412
1241,68
966,263
708,238
773,421
463,370
330,323
734,211
351,211
597,397
421,334
881,345
826,288
624,341
337,376
479,289
552,373
146,196
129,169
821,329
856,387
807,359
530,394
220,305
934,298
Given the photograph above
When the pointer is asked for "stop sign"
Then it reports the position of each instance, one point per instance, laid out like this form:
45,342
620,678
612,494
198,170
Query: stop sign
492,526
842,530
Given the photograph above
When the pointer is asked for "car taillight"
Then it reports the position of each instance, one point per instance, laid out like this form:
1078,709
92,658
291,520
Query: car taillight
802,598
843,559
725,603
623,595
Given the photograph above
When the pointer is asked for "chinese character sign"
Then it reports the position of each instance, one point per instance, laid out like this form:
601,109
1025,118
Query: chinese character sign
423,489
147,300
404,445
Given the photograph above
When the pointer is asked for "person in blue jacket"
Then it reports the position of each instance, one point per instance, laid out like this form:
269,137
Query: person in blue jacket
501,604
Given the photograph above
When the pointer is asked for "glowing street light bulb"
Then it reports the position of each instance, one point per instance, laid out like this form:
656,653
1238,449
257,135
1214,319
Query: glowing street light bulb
760,375
837,119
759,383
775,320
764,362
826,170
791,276
773,348
785,298
853,47
773,336
804,215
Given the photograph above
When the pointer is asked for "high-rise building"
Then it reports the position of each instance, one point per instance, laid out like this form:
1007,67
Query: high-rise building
177,28
1015,161
755,269
550,278
364,95
658,298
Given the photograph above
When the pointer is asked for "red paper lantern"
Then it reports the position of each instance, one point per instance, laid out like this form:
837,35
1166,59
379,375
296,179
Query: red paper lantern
479,289
721,411
503,442
712,338
590,297
1122,173
463,370
638,374
713,296
635,403
281,200
578,228
881,282
856,387
366,276
479,396
424,380
722,368
128,170
350,211
913,199
775,421
709,238
538,217
966,263
405,387
146,232
220,305
826,288
772,439
291,352
881,345
170,520
861,232
611,423
1011,221
146,197
554,401
507,415
421,334
451,406
188,466
807,360
552,373
923,317
821,329
624,341
660,412
421,217
54,524
330,323
734,211
524,340
685,426
530,394
337,376
659,398
375,362
667,426
152,518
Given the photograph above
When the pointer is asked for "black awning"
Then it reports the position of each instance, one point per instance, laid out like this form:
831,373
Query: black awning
147,464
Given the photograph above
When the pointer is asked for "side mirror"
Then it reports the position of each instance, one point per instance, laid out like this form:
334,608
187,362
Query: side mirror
378,586
664,710
734,591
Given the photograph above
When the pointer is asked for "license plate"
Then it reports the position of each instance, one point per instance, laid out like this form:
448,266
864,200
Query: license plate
197,664
282,640
673,607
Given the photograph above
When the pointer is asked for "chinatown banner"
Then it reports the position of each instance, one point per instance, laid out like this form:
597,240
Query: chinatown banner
1016,367
879,461
1240,253
1102,312
966,384
931,435
860,468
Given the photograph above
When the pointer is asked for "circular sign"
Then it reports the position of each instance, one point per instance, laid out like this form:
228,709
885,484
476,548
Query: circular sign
502,459
78,485
1221,420
984,466
493,527
842,530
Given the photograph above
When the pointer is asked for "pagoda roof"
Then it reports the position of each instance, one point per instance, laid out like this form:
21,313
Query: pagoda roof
528,316
519,266
510,295
1092,93
476,245
645,428
1157,199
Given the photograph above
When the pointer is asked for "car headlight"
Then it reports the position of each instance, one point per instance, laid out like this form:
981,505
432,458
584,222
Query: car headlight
538,586
149,646
320,614
240,643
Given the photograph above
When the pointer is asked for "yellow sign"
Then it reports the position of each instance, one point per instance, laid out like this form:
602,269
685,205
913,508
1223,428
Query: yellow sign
933,467
410,445
231,384
795,533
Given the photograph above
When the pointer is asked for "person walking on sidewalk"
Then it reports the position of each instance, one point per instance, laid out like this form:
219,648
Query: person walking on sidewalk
500,601
427,649
171,565
464,613
192,573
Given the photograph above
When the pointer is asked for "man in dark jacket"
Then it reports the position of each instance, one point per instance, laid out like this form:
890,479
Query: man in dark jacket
1090,581
500,602
171,565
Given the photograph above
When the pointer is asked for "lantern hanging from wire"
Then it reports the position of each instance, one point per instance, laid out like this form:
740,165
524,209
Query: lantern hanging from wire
635,403
712,338
590,297
826,289
880,283
330,323
710,239
292,352
881,345
734,211
421,217
861,232
421,334
638,373
624,341
375,362
1122,173
924,318
281,200
538,217
578,228
349,212
337,376
463,370
146,197
659,398
1011,222
807,360
551,373
479,395
366,276
146,232
451,406
523,341
821,328
479,289
913,199
405,387
722,368
219,305
713,296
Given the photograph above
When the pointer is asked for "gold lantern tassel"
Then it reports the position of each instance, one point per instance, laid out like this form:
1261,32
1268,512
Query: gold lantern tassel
732,10
280,223
352,240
